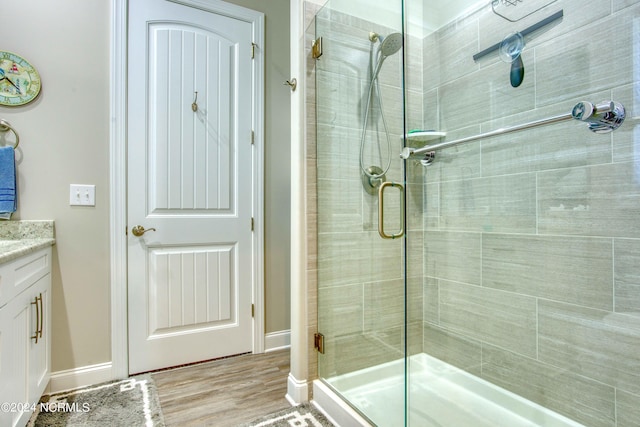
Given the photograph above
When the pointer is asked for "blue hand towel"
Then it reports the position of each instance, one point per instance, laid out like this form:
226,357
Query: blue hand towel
8,193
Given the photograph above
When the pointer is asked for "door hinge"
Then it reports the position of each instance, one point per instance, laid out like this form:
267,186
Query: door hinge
316,48
253,137
318,342
253,310
253,50
253,224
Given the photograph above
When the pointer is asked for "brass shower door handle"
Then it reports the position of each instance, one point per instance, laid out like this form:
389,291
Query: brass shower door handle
139,230
381,231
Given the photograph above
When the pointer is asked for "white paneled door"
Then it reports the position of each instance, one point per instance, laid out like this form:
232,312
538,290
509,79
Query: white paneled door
190,186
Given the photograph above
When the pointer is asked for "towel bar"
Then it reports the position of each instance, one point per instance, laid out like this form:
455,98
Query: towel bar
5,127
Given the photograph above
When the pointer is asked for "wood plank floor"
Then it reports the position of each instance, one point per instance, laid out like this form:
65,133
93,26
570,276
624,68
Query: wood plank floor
226,392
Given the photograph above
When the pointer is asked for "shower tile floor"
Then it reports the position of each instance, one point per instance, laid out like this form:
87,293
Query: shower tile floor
440,395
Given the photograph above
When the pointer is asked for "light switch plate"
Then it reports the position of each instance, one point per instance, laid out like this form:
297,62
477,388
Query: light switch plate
82,195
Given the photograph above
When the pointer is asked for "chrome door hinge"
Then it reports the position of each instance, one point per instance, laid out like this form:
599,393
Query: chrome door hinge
253,50
253,310
318,342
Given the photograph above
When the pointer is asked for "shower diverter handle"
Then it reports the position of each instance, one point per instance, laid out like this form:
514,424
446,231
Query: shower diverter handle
381,231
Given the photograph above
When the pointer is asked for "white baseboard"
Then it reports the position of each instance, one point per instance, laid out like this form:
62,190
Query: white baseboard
334,408
297,391
277,340
95,374
79,377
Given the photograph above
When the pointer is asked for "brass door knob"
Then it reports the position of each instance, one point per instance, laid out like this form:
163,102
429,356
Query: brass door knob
139,230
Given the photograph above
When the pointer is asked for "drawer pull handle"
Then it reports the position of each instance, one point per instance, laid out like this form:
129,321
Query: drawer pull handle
41,316
37,301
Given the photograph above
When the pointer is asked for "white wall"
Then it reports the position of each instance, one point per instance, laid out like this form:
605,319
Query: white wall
65,140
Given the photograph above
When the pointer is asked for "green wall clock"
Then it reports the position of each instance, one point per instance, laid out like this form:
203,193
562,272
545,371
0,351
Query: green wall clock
19,80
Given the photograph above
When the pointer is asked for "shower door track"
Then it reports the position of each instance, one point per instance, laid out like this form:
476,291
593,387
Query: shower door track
602,118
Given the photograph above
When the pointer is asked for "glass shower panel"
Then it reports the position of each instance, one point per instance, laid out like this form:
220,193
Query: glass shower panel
529,309
361,276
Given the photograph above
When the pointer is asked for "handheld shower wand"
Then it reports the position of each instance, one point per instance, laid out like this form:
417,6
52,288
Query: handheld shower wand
388,46
373,176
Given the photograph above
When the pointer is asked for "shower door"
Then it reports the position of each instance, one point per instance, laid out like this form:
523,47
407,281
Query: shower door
513,296
361,275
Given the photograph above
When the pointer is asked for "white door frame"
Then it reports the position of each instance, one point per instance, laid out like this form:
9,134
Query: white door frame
118,175
298,380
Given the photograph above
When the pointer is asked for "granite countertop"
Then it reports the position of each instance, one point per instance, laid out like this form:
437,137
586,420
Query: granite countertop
18,238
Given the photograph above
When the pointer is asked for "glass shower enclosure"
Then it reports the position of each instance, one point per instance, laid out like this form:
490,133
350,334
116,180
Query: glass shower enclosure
478,224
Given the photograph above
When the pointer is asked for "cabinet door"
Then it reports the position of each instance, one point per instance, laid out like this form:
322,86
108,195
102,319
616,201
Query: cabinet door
39,354
19,317
6,345
25,338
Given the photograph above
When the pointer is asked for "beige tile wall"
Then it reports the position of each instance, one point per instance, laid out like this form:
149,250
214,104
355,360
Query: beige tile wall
532,239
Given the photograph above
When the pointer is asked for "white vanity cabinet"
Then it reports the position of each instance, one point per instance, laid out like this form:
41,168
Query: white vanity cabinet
25,334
